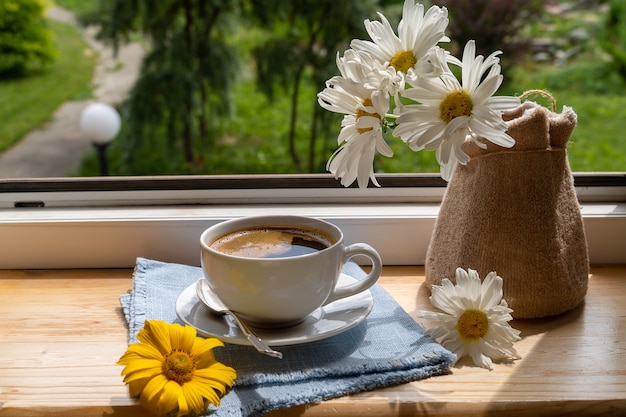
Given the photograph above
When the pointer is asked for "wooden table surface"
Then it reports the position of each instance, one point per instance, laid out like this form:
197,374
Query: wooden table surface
62,332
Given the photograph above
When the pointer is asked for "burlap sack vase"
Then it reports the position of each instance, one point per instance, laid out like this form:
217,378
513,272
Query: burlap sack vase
514,211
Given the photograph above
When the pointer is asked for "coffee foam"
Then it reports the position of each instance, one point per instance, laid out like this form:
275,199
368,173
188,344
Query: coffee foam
266,241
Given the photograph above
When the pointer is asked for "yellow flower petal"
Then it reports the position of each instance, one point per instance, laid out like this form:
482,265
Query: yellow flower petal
157,334
204,359
153,388
136,387
210,394
217,376
173,398
212,389
140,365
138,351
145,350
182,337
128,357
142,374
204,346
193,396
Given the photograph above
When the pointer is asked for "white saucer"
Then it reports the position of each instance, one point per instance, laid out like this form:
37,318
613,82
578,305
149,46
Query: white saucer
326,321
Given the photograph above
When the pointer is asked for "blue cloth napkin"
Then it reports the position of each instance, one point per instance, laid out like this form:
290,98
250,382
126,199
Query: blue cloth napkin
387,348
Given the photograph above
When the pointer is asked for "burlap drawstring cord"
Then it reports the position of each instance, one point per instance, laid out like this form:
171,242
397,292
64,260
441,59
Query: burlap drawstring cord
543,93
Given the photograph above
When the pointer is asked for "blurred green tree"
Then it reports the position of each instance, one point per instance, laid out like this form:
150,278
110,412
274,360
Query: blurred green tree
25,41
613,37
183,93
186,75
495,25
304,39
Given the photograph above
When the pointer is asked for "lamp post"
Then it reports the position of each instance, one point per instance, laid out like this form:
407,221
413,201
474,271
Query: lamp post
101,123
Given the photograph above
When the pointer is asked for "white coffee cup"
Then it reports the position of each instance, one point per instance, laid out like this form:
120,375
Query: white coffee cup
283,290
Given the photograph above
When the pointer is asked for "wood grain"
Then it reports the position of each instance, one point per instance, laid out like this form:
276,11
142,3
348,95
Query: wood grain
63,330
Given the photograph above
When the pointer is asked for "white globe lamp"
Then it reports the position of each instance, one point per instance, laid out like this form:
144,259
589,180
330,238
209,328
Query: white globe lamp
101,123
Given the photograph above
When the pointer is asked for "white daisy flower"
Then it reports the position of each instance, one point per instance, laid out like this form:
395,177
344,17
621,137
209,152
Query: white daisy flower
475,318
447,112
417,34
365,109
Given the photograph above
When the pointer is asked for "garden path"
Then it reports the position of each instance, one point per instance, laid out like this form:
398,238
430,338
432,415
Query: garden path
56,148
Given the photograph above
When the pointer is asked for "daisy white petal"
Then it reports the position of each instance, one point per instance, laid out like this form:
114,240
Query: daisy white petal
502,102
364,108
466,109
447,170
476,353
491,289
383,147
418,32
456,346
353,160
473,287
487,88
475,318
432,135
442,299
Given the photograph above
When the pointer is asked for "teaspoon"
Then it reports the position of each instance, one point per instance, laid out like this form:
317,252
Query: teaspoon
213,303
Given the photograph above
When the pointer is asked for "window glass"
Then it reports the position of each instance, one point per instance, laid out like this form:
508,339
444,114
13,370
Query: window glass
231,87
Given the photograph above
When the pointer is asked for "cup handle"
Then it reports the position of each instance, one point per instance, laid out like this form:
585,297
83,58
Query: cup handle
377,266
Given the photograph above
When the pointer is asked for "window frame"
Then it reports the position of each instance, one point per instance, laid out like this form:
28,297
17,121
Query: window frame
106,222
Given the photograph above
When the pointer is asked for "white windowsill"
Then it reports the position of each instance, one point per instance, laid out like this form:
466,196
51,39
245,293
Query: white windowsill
112,237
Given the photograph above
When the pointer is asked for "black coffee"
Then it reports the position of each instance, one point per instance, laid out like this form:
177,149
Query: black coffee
272,242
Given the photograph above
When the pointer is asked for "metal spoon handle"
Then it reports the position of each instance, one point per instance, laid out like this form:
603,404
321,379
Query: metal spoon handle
256,341
215,305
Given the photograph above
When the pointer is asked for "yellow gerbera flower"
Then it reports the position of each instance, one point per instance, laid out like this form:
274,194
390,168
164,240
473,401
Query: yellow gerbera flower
172,370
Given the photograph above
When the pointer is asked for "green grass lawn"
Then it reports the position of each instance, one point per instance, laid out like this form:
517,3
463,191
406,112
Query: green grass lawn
597,95
599,141
29,102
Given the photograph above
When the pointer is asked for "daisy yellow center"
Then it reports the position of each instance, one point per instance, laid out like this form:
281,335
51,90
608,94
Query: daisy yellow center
367,102
402,61
457,103
179,366
472,325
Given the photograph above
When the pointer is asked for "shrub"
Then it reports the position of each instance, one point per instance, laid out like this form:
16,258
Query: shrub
25,41
613,39
495,25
